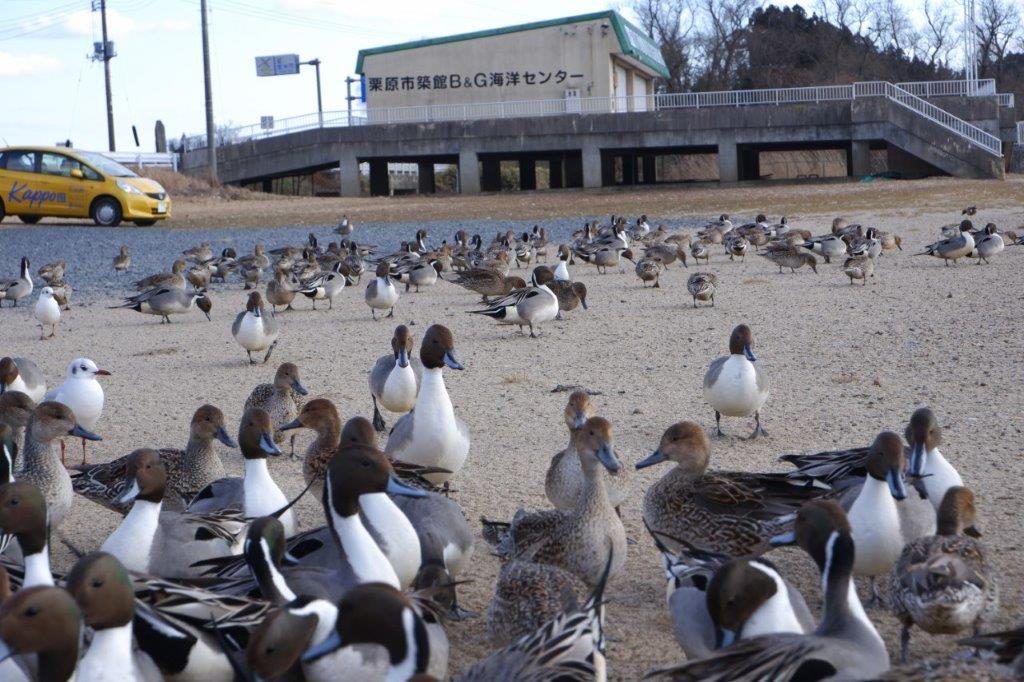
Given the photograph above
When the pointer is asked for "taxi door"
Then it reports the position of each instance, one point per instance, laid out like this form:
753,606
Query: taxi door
17,173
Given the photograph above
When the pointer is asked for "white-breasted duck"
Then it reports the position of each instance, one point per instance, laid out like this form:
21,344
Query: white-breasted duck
254,330
394,379
734,384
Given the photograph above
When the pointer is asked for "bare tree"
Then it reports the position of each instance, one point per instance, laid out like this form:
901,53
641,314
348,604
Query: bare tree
892,28
939,36
852,15
669,23
722,40
997,28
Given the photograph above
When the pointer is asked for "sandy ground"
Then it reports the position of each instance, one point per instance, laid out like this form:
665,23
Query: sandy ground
844,362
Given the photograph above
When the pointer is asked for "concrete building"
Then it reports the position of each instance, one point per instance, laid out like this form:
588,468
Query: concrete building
566,60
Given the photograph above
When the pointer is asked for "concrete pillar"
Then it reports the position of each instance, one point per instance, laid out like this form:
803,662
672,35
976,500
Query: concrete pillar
859,159
556,176
574,170
491,176
650,174
426,175
469,172
728,161
380,185
348,169
528,173
591,157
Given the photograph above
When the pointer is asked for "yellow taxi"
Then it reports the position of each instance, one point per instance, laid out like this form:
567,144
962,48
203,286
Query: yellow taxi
38,182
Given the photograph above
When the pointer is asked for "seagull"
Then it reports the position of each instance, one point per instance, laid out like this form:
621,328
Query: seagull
47,312
82,393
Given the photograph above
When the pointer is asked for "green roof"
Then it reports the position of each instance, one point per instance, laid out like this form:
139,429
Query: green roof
632,39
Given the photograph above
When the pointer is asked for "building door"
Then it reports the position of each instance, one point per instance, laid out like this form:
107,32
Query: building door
621,89
639,93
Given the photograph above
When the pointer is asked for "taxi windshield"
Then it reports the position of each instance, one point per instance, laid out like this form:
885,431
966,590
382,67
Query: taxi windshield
107,166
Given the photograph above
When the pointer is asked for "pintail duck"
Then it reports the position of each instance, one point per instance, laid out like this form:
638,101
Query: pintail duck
199,253
82,393
175,279
166,543
573,539
564,483
41,463
647,269
859,267
1007,646
874,517
22,375
166,301
258,260
280,399
734,384
569,295
723,511
488,283
953,248
773,606
47,313
101,587
281,290
16,289
24,513
602,256
944,583
378,635
123,259
988,245
791,258
431,435
381,292
326,285
867,244
15,410
199,276
188,470
845,645
561,270
255,492
699,250
702,287
253,330
532,306
737,246
223,265
927,465
394,379
570,646
425,273
321,415
44,621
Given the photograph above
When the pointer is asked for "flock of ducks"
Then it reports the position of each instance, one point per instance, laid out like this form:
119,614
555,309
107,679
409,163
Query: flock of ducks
211,577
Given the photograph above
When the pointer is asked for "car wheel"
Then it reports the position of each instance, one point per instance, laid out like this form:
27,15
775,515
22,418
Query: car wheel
106,212
145,223
30,219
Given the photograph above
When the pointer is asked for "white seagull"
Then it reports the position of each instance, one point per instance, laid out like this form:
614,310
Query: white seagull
82,393
47,313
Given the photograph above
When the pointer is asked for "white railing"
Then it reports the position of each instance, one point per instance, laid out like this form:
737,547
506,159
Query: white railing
985,87
1020,132
908,97
1005,99
967,131
143,159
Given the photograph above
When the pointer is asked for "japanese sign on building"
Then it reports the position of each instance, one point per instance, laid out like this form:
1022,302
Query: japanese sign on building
454,81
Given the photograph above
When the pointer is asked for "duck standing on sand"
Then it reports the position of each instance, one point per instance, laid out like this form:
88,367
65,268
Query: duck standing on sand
394,379
123,259
954,248
734,384
19,288
431,435
381,292
253,330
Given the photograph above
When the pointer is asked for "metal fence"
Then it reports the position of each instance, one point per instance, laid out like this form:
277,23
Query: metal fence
967,131
908,95
143,159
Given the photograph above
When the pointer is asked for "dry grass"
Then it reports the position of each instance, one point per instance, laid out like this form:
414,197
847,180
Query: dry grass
185,186
199,207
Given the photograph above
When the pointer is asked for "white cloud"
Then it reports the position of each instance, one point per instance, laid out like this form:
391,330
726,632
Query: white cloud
29,64
85,23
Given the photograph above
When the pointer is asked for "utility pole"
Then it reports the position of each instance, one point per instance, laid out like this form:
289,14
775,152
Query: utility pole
319,101
211,133
106,55
349,80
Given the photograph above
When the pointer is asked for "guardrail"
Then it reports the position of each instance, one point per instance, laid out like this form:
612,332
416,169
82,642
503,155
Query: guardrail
967,131
1005,99
1020,132
143,159
908,95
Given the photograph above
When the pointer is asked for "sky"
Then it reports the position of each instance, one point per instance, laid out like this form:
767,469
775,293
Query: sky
51,90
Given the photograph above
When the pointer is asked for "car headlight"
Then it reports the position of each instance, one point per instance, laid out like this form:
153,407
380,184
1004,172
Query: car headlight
130,189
